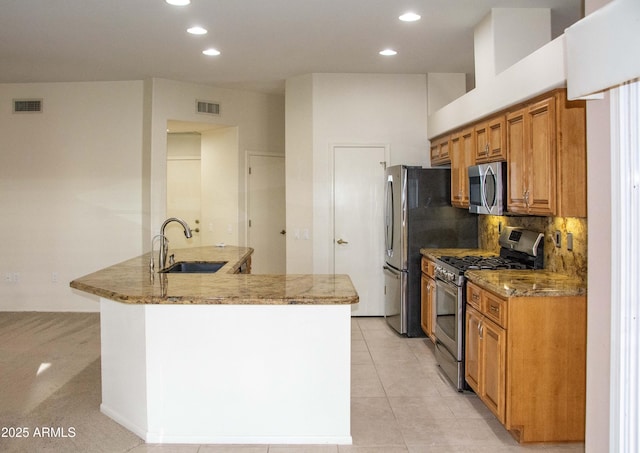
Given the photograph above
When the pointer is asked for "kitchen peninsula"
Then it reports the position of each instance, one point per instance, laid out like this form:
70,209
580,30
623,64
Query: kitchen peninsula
224,357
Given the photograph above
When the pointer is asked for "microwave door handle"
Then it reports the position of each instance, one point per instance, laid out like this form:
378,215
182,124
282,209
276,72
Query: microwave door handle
489,174
483,195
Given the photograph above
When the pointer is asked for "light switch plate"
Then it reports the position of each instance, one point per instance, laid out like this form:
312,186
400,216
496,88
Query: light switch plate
558,239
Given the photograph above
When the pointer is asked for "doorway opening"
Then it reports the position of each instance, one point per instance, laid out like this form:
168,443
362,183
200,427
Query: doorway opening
202,183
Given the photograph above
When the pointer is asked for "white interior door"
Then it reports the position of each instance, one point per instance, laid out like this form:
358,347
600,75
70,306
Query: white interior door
358,223
183,201
267,219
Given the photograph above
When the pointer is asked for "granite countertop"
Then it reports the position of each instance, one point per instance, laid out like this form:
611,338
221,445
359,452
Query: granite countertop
527,283
434,254
514,283
132,282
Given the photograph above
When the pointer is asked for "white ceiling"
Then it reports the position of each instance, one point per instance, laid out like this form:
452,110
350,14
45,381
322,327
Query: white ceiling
263,42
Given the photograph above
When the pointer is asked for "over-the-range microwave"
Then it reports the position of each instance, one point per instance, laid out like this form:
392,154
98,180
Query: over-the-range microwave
488,188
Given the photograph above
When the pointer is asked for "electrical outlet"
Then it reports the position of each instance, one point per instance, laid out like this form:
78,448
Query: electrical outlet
54,277
558,239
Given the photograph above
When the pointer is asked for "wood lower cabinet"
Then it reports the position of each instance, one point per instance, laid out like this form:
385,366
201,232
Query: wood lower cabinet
245,267
526,360
427,296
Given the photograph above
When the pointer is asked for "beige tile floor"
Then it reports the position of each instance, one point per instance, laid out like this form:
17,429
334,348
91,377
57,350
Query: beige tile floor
50,378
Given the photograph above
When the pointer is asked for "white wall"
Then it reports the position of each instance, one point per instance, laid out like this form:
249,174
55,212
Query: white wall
83,184
380,109
599,257
541,71
299,171
220,182
70,189
259,118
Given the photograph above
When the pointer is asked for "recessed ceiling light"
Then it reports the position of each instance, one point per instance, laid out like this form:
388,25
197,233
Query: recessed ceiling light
178,2
388,52
409,17
197,30
211,52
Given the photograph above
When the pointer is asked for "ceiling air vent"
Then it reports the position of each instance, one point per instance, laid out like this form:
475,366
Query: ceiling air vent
27,105
210,108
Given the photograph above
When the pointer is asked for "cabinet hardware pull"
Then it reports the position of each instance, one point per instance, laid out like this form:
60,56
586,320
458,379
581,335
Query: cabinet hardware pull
480,329
475,296
494,309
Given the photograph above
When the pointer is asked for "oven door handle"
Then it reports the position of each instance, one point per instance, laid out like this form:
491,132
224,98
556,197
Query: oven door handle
448,287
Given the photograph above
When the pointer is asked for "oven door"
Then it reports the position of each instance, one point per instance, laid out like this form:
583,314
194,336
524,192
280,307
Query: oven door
448,328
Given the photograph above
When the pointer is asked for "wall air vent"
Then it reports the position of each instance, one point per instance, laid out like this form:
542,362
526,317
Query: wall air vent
27,105
210,108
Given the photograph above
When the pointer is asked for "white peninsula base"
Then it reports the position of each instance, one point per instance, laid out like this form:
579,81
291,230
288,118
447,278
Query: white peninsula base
268,374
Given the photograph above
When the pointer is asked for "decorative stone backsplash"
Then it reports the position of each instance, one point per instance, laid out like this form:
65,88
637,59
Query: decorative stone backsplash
556,259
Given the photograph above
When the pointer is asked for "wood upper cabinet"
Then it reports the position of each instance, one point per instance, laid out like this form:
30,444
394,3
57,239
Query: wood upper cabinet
525,357
546,157
427,296
462,152
440,150
490,140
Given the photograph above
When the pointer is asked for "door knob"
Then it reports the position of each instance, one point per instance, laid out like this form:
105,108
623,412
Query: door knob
283,232
340,241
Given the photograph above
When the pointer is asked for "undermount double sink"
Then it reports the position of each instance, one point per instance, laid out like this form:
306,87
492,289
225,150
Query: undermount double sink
194,267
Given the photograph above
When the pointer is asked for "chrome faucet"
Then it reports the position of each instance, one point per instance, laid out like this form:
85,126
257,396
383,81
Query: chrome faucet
164,242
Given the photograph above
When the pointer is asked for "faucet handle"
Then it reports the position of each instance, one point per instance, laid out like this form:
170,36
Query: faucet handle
172,260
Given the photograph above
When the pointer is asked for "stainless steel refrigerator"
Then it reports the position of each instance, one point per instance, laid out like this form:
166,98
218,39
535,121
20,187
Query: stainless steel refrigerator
418,214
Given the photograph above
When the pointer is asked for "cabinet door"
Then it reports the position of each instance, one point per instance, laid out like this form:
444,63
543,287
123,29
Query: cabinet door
542,157
496,130
425,306
427,301
517,162
472,362
493,346
481,132
490,140
431,291
443,153
439,151
455,151
462,156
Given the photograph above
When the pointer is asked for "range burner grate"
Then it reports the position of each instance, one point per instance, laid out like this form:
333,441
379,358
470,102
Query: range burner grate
464,263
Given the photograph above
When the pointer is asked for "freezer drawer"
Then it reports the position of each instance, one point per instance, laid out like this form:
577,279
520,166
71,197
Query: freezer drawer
395,299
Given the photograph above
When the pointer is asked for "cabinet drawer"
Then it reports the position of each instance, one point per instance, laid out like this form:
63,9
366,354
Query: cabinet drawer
495,308
428,267
474,296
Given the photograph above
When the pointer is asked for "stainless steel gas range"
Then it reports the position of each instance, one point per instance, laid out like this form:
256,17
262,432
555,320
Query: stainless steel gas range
519,249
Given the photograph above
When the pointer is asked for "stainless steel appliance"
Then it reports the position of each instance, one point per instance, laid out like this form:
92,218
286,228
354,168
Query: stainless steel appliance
487,188
418,213
519,249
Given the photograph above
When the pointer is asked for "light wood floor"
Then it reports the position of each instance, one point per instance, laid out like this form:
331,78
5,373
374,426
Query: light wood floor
50,388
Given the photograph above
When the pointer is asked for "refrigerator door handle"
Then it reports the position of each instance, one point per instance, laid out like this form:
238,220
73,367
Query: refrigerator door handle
388,217
396,273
